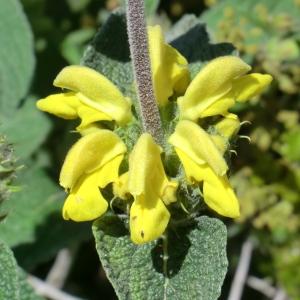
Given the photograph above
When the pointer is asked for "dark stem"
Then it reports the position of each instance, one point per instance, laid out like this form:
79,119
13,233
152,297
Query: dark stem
138,41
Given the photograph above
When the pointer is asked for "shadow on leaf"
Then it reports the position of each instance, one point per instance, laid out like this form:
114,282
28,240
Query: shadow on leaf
195,45
178,247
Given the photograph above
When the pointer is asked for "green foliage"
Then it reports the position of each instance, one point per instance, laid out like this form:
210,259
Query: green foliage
27,130
74,44
13,285
151,7
34,223
266,175
136,272
195,267
17,60
111,58
268,36
7,173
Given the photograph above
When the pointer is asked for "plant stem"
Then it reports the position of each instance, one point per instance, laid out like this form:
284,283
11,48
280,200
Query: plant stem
138,41
165,262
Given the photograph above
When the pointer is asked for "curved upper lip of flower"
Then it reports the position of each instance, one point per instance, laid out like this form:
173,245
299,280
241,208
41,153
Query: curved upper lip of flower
96,91
91,152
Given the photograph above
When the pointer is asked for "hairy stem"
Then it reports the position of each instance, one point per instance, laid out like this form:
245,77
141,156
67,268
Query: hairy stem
138,41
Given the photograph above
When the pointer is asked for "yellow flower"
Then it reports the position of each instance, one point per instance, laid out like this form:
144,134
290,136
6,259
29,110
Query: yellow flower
218,85
92,163
151,189
224,130
169,68
92,98
203,161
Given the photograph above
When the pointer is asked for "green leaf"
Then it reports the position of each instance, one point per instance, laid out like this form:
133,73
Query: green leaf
16,56
109,53
264,31
74,44
151,7
27,129
34,225
196,266
13,285
78,5
291,144
190,38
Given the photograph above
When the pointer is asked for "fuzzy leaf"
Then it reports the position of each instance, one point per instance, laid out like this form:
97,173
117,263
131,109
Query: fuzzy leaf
27,129
16,56
190,38
109,53
196,266
34,225
13,285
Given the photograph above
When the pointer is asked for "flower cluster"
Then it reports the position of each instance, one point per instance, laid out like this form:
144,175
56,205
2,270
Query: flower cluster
94,161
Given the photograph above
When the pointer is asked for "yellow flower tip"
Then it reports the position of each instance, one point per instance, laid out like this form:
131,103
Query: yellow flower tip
89,154
168,194
192,140
96,91
225,130
228,126
151,189
63,105
251,85
87,129
148,220
212,83
85,203
220,197
217,192
169,68
120,187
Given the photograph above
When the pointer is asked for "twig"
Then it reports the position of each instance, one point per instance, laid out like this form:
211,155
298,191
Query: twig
241,273
262,286
266,288
46,290
281,295
60,269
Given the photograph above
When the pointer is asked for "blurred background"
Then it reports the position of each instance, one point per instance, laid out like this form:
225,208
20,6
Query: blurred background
265,173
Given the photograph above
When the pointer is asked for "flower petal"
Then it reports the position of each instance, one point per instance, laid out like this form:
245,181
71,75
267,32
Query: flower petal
225,130
91,128
149,185
198,145
85,202
96,91
120,186
148,219
110,171
219,107
217,192
169,68
210,84
89,115
191,168
146,171
62,105
249,86
90,153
